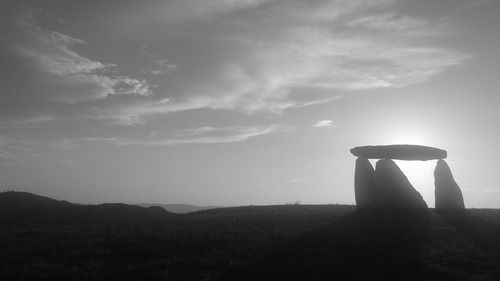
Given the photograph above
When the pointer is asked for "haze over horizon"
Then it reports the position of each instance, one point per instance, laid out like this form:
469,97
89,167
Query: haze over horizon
238,102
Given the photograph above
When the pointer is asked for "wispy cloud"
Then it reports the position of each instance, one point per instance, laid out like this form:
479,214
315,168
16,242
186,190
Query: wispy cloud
324,124
181,11
293,181
253,57
14,151
471,5
400,24
300,104
251,63
63,74
276,47
201,135
162,65
10,157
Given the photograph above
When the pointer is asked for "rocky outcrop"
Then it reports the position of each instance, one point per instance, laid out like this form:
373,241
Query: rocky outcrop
365,186
399,151
447,192
395,189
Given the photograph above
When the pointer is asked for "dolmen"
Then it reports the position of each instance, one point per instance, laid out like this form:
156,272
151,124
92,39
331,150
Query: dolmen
386,187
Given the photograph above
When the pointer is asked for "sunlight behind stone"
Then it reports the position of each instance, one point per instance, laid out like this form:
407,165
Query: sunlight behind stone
421,176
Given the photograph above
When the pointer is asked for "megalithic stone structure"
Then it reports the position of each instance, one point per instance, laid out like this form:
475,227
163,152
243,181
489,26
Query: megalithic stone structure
447,192
388,187
396,189
366,191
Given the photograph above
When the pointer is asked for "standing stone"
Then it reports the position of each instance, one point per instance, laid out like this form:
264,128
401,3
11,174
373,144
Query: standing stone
447,193
395,189
365,186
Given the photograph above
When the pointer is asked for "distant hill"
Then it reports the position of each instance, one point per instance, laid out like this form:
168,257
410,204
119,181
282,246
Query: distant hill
21,208
14,200
180,208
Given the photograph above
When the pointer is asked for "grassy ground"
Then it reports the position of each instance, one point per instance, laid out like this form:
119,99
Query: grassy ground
296,242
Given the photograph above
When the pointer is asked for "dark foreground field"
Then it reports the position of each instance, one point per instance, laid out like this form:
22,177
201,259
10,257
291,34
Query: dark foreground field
56,240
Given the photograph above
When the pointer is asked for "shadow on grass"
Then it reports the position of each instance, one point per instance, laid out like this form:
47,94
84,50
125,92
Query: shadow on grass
484,234
359,246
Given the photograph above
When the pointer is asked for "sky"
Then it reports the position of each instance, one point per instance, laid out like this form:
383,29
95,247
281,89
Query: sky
244,102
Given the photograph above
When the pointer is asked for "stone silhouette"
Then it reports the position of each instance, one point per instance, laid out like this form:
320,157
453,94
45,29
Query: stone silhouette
400,152
387,187
447,193
396,190
366,189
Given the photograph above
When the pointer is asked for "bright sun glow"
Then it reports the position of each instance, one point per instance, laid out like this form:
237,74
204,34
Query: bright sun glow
409,137
419,173
421,176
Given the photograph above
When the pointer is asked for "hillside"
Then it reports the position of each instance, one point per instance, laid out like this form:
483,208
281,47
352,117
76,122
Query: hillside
14,200
23,209
293,242
180,208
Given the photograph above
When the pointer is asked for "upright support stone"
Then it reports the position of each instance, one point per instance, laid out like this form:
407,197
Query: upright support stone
447,192
395,189
365,187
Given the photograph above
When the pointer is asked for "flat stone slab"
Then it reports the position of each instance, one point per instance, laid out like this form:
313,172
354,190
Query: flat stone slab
399,152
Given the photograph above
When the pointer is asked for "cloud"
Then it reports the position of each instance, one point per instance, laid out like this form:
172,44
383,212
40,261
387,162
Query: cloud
14,151
163,65
63,145
301,104
473,4
251,56
400,24
9,157
60,73
194,10
293,181
194,56
324,124
201,135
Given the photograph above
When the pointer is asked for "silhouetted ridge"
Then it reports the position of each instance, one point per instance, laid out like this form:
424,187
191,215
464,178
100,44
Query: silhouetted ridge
179,208
20,208
15,200
120,210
